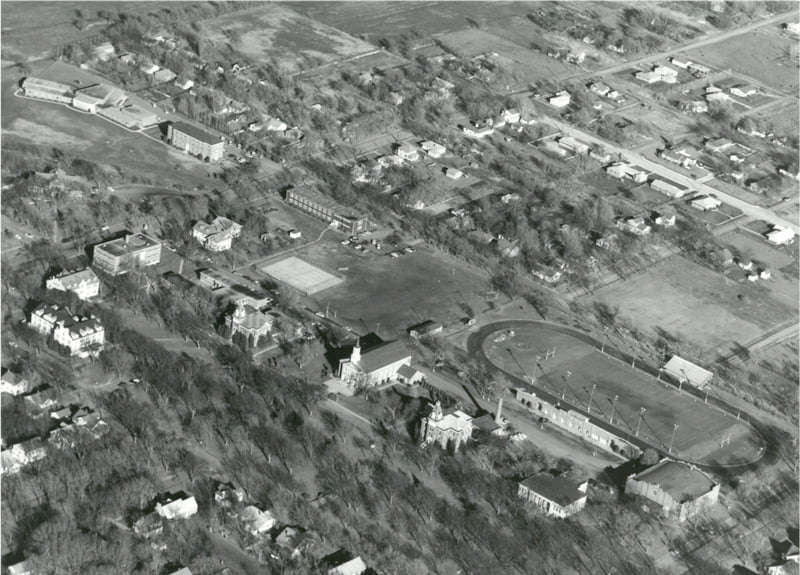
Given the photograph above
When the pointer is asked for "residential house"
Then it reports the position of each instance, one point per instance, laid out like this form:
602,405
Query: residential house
409,375
599,88
659,73
679,63
195,141
453,173
83,283
13,383
511,116
21,454
478,131
780,236
256,521
218,235
428,327
47,90
744,90
718,144
275,125
681,490
378,364
671,189
118,256
149,68
717,97
184,83
227,495
104,51
665,220
249,322
557,496
635,225
127,58
698,70
508,198
452,429
354,566
560,99
573,145
433,149
295,540
164,75
179,505
576,57
626,171
44,399
407,152
783,568
551,147
705,203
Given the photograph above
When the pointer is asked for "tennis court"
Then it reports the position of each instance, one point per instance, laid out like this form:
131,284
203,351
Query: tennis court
301,275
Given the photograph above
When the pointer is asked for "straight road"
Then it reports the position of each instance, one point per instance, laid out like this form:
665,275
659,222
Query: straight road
755,212
765,340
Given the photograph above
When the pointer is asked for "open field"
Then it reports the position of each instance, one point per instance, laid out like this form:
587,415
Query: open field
759,54
301,275
784,120
276,32
706,310
397,292
701,427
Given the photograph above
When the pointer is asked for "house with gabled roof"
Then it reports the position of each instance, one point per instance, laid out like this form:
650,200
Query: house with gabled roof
557,496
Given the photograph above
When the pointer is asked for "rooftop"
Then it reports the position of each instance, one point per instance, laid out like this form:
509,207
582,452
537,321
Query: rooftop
196,133
695,374
681,481
561,490
325,202
130,244
382,355
71,279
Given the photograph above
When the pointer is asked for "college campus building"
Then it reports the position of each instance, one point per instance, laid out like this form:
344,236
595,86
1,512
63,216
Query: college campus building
195,141
680,490
556,496
47,90
91,98
233,288
118,256
83,283
687,372
83,336
454,428
250,322
324,208
217,236
577,424
130,116
379,364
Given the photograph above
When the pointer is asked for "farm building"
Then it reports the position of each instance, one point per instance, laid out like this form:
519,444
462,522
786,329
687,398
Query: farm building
744,90
573,145
680,490
780,236
557,496
560,99
379,364
670,189
47,90
687,372
705,203
454,428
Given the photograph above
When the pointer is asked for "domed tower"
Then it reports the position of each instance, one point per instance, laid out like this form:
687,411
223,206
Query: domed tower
239,315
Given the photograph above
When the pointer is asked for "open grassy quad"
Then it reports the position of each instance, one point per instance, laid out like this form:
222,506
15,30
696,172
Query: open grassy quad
760,54
701,428
397,292
276,32
705,310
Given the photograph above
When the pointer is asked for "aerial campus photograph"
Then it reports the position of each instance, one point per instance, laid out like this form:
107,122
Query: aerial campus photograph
450,288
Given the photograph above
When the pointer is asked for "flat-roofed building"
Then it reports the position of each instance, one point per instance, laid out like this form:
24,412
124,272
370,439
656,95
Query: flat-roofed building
83,283
91,98
780,236
451,429
687,372
705,203
557,496
680,490
130,116
324,208
670,189
195,141
47,90
118,256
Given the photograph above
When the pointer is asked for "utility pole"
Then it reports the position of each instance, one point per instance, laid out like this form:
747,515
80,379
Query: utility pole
566,378
613,406
633,361
706,399
591,395
641,417
603,346
671,441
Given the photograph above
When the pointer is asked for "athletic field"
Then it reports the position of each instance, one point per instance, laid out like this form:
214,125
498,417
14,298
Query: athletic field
301,275
704,434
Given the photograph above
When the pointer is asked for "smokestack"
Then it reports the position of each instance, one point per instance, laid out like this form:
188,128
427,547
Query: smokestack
498,417
180,268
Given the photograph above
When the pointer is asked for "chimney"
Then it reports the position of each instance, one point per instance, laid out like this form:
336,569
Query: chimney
498,419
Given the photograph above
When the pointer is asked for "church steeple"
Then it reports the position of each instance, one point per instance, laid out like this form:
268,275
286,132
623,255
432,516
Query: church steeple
239,314
355,356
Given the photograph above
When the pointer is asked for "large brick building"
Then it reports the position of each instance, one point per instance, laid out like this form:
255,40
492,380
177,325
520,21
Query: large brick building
118,256
680,490
195,141
326,209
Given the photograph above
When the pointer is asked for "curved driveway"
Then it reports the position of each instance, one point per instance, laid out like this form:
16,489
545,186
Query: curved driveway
475,348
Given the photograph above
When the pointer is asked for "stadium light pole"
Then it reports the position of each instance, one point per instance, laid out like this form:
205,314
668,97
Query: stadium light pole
633,361
641,416
613,406
706,399
591,395
605,334
566,378
671,441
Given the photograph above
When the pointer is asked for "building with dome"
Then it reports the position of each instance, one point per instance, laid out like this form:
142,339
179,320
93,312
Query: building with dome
454,428
250,322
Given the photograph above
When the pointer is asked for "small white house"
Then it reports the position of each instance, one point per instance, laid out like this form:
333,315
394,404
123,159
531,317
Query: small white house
433,149
780,236
560,99
705,203
408,153
149,69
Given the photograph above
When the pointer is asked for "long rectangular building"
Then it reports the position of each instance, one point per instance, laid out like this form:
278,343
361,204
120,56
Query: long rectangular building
118,256
324,208
195,141
47,90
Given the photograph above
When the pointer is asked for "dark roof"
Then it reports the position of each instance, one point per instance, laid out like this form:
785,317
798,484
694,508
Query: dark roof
486,423
426,326
383,355
407,371
561,490
682,482
196,133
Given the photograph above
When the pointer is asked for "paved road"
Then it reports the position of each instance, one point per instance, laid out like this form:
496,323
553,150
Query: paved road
756,212
765,340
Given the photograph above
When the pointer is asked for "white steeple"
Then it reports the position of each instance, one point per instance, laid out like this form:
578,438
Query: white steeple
355,356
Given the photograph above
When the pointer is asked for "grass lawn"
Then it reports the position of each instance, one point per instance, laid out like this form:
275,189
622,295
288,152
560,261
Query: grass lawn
700,306
760,54
701,427
397,292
